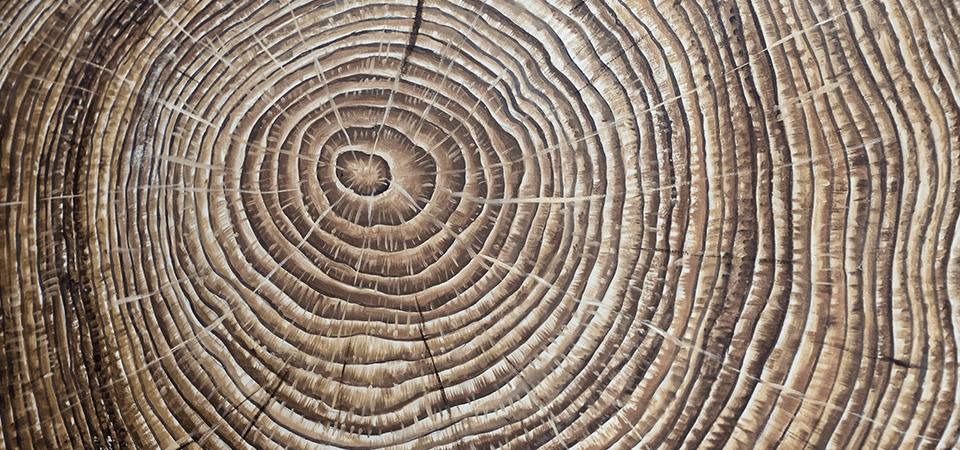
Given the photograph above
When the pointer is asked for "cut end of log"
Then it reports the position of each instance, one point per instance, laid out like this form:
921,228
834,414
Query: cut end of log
296,224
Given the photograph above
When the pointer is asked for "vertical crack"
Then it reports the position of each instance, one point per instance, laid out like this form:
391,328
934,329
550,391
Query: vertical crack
433,361
272,394
414,33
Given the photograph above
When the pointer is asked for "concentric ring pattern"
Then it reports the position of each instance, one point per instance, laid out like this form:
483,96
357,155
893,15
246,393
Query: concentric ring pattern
292,224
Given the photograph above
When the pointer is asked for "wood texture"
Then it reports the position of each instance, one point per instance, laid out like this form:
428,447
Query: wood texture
292,224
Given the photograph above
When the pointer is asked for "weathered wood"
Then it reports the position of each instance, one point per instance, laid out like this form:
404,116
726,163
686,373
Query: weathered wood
466,225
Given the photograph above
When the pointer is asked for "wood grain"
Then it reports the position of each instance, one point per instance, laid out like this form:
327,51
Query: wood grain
292,224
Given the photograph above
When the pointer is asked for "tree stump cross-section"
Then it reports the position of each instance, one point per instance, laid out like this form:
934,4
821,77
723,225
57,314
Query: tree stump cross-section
431,224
